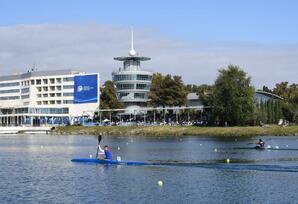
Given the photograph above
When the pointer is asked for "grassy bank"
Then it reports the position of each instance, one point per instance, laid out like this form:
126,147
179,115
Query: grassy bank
178,131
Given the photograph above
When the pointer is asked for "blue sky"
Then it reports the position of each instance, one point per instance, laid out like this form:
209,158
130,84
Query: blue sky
268,21
192,38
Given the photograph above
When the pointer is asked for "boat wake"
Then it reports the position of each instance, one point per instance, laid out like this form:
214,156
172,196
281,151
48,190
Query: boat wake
232,166
240,165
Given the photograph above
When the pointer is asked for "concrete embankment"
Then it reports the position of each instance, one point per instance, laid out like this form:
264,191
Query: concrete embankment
24,129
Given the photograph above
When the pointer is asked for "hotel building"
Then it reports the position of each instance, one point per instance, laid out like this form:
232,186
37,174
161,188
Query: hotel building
47,98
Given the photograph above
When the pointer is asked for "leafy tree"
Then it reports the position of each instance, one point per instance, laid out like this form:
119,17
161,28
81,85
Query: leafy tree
167,91
265,88
233,97
289,93
191,88
155,94
108,98
282,90
260,113
205,92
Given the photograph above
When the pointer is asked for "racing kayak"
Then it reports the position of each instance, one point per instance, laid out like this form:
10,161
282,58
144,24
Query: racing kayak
107,161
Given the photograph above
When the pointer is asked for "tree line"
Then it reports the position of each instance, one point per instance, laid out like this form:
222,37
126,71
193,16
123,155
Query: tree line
231,98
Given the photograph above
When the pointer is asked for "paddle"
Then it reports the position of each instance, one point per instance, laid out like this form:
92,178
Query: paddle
97,149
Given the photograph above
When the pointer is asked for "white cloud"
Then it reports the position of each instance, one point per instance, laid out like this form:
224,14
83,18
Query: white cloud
91,47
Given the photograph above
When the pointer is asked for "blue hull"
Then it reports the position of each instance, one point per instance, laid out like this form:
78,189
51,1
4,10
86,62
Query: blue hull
104,161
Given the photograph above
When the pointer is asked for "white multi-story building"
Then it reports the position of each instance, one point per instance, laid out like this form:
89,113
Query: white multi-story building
45,97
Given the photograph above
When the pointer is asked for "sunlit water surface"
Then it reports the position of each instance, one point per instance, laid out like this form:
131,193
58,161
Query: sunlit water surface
37,169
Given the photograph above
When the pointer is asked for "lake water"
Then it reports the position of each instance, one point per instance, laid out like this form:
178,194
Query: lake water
37,169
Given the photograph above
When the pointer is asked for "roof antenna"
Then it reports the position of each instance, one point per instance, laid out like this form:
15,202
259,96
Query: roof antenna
33,67
132,51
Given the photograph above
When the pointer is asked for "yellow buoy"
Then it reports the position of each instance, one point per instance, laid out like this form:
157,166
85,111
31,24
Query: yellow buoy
228,160
160,183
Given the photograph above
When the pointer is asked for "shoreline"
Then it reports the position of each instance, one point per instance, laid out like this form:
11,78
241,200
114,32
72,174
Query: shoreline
245,131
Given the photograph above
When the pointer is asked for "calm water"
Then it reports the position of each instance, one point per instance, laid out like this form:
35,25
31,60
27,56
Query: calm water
37,169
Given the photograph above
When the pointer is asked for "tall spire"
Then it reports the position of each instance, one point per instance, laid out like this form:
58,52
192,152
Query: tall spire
131,32
132,51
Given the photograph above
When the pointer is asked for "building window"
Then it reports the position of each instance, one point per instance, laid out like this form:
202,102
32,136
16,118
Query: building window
124,86
49,110
21,110
10,84
45,81
10,91
52,81
130,77
25,90
125,77
38,81
143,86
58,80
67,94
68,86
66,79
144,77
32,82
122,94
9,98
67,101
139,95
24,96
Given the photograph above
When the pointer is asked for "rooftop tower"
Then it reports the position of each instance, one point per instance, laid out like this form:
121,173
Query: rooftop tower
132,83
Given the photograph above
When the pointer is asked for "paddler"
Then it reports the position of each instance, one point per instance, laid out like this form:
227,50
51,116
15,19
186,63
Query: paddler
108,154
261,144
105,150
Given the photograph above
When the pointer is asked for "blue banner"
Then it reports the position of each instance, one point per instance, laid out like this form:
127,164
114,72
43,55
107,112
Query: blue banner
86,89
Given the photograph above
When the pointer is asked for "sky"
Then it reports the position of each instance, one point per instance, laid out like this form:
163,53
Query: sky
191,38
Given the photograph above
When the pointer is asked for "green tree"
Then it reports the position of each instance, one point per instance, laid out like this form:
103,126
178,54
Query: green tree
265,88
108,98
155,94
233,97
205,92
260,113
167,91
282,90
191,88
289,93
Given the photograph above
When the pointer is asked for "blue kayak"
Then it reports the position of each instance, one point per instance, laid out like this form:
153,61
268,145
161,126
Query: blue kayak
107,161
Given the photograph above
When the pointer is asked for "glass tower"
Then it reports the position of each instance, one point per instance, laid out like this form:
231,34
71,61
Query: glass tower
132,83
